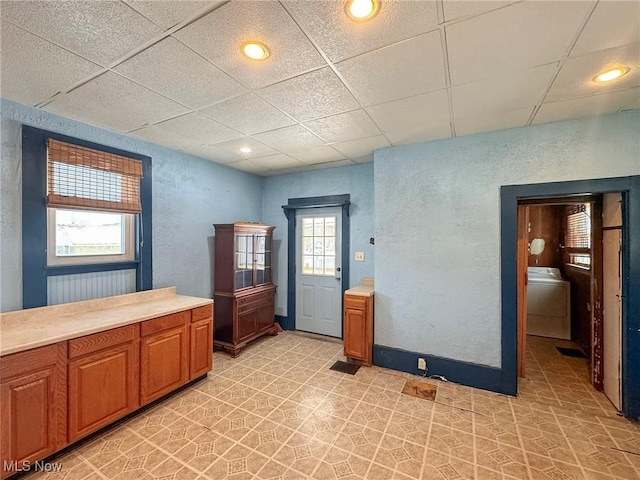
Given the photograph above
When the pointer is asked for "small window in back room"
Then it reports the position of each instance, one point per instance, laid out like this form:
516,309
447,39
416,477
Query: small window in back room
92,198
578,235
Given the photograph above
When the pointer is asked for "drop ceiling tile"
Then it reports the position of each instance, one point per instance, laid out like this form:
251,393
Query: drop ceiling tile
162,136
576,76
361,147
114,102
248,114
457,9
199,129
250,166
520,89
319,154
219,35
307,168
289,139
345,126
166,14
612,24
420,133
102,31
340,37
494,121
401,70
277,161
312,95
519,36
204,151
411,115
170,68
48,68
229,151
588,106
363,159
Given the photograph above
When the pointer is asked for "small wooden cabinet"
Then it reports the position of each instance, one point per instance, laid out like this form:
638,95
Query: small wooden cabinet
164,355
201,341
358,328
244,291
33,396
103,379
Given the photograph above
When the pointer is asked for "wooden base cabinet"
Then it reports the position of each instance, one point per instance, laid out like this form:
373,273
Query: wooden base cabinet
358,328
201,349
103,379
33,397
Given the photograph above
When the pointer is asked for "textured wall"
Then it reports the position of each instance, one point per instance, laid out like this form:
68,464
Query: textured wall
189,195
437,225
356,180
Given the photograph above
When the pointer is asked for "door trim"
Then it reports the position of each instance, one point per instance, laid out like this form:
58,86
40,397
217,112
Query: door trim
290,209
630,188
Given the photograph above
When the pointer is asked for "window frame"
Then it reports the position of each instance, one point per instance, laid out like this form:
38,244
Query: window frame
571,252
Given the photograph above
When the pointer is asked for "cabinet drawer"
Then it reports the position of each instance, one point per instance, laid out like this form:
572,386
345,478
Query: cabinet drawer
164,323
201,313
28,361
99,341
357,302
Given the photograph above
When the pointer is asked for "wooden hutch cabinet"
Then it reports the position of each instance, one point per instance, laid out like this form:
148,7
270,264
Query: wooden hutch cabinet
244,291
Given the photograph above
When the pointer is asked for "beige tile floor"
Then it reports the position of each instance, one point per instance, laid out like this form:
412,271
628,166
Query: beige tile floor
278,412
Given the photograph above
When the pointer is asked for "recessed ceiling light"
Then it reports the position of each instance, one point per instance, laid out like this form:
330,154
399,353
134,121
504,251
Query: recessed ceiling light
255,50
362,9
611,74
246,150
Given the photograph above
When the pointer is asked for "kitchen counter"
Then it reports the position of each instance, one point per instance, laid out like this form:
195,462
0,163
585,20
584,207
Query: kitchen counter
364,290
35,327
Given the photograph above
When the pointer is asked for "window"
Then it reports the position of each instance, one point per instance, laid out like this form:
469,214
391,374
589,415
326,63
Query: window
92,199
578,235
319,246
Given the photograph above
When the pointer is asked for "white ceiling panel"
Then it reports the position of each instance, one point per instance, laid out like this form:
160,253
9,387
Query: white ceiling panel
361,147
317,166
457,9
278,161
289,139
48,68
220,35
162,136
167,13
519,36
205,151
343,127
198,128
312,95
520,89
328,24
165,66
114,102
101,31
401,70
248,114
612,24
576,76
365,159
493,121
230,150
319,154
411,114
588,106
250,166
419,133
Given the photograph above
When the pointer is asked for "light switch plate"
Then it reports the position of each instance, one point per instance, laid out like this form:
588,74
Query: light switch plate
359,256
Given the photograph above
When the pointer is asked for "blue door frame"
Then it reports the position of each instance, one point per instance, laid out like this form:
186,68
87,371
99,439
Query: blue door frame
630,189
289,323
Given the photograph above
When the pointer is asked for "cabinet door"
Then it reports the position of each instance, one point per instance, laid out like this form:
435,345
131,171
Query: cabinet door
355,328
164,363
103,387
201,347
265,317
246,323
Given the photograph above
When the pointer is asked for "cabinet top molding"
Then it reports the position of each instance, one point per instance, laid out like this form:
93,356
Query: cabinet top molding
36,327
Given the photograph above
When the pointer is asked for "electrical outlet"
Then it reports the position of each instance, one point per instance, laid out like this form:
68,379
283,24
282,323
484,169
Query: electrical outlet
359,256
422,364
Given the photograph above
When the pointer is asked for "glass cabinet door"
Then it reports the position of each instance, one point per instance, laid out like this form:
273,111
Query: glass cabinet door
263,259
244,261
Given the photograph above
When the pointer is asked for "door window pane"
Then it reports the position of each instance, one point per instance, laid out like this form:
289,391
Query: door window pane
319,246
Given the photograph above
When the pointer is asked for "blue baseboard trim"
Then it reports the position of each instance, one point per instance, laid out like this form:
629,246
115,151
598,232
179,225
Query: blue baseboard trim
470,374
284,322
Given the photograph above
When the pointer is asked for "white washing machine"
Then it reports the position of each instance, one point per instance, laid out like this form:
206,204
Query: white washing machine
548,303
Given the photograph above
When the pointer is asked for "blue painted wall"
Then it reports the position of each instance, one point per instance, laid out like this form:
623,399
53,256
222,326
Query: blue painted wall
355,180
189,195
437,224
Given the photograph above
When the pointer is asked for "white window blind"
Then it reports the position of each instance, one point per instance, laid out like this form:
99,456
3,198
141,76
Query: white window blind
88,179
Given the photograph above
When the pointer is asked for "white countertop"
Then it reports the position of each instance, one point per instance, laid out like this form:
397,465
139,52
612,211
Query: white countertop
364,290
36,327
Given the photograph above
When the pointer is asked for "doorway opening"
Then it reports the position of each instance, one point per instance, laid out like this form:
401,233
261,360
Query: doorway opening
570,296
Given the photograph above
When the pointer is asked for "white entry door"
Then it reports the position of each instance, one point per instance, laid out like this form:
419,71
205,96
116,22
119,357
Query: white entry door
318,271
612,313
